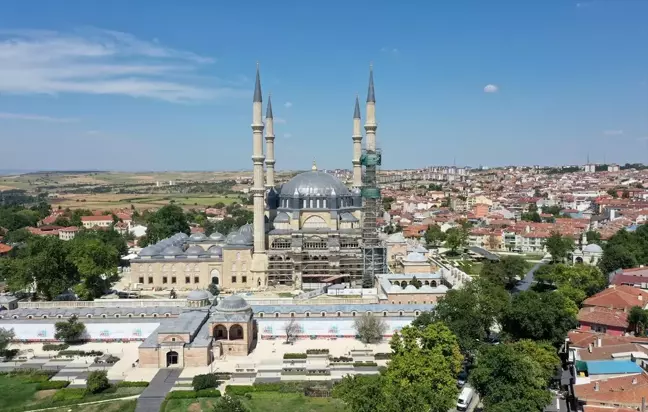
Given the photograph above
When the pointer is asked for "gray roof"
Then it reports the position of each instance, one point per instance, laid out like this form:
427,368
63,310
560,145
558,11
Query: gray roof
149,251
198,236
282,217
348,217
198,295
232,304
172,251
217,236
216,250
371,96
341,308
356,111
314,183
195,250
95,312
269,109
257,88
187,322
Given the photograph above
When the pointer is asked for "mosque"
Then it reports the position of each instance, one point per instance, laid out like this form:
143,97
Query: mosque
306,231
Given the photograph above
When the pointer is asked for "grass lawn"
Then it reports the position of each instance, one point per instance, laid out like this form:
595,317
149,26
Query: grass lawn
190,405
117,406
262,402
15,393
285,295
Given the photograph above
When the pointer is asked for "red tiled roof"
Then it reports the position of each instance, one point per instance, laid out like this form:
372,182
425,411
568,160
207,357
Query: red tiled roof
5,248
618,297
603,316
593,408
621,391
581,339
606,352
96,218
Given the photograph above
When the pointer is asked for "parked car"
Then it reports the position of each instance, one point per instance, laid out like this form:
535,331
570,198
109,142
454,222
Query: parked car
465,398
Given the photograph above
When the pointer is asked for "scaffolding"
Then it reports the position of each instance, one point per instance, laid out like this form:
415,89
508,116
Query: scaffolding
373,251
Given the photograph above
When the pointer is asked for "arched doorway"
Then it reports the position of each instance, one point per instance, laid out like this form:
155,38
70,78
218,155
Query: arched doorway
171,358
433,284
235,332
215,276
579,260
220,332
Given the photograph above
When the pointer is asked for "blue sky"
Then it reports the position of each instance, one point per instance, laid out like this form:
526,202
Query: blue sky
165,85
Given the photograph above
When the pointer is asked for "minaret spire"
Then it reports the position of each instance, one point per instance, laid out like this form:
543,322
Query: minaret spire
371,95
370,121
269,139
357,145
259,259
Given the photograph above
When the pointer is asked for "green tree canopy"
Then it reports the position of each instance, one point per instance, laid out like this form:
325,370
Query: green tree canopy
456,238
69,331
515,375
559,246
575,282
505,272
434,236
6,336
96,261
593,237
167,221
546,316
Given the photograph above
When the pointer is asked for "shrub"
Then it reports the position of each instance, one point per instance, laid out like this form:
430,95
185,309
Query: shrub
223,376
364,364
80,353
295,356
97,381
52,385
342,359
206,381
34,377
9,353
317,351
208,393
205,393
69,394
383,355
132,384
239,390
54,347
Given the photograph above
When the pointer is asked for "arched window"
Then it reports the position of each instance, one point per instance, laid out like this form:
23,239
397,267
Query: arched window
142,315
15,316
323,314
385,314
45,316
281,243
88,316
308,314
369,313
400,313
104,316
292,314
276,314
117,316
155,315
338,314
417,313
260,314
59,316
130,315
314,222
353,313
314,242
166,315
30,317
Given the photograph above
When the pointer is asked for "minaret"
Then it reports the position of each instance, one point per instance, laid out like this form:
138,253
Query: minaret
259,259
270,136
357,146
370,123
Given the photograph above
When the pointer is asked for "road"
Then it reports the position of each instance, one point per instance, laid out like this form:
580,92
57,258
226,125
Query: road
473,405
529,278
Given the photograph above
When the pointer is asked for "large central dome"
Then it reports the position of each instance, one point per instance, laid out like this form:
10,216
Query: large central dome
314,183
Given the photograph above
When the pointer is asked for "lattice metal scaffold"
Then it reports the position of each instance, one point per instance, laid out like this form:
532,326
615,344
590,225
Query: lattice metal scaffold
373,251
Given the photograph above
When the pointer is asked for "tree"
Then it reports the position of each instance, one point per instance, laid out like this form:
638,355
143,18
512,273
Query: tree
204,381
229,404
469,312
531,217
96,262
593,237
422,359
213,289
434,236
559,246
6,336
369,328
638,319
361,393
505,272
456,238
544,316
167,221
17,236
69,331
75,218
62,221
291,328
575,282
515,375
97,381
416,282
617,257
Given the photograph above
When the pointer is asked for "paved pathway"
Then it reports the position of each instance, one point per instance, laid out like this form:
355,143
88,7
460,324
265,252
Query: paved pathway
151,399
529,278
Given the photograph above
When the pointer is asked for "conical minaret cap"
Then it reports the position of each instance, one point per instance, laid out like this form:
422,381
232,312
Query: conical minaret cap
257,88
356,112
269,109
371,96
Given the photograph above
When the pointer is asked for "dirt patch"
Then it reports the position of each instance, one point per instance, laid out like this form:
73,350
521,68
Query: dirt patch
48,393
194,407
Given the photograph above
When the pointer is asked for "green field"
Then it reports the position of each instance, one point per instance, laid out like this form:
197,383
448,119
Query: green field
116,406
263,402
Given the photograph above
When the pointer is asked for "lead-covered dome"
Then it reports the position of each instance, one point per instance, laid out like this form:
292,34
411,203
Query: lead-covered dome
219,237
233,304
172,251
195,250
314,183
593,248
198,236
149,251
195,295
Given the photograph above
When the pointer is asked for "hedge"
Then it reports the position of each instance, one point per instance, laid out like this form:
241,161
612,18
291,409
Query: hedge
54,347
52,385
205,393
132,384
317,351
341,359
364,364
383,355
80,353
295,356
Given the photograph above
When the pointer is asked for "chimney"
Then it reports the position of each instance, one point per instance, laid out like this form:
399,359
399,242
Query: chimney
634,381
599,342
589,347
596,386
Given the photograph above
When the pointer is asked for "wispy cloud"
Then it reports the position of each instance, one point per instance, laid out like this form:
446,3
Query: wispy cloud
390,50
288,105
95,61
35,118
613,132
491,88
279,120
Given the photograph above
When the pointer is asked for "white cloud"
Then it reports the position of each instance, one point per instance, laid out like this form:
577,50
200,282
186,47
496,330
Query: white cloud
491,88
613,132
35,118
288,105
94,61
390,50
287,135
279,120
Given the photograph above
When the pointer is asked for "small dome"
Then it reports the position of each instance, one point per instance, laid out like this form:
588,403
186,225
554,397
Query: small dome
233,304
195,250
356,191
348,217
415,257
198,236
410,288
395,288
215,251
238,239
593,248
282,217
172,251
198,295
182,235
219,237
149,251
246,230
396,238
